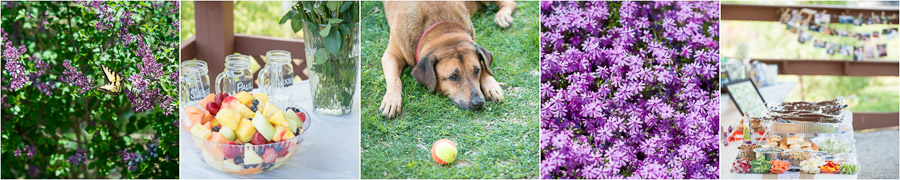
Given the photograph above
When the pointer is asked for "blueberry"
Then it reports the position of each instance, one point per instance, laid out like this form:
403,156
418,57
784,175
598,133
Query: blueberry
297,132
250,119
260,151
238,160
277,147
253,108
255,102
215,129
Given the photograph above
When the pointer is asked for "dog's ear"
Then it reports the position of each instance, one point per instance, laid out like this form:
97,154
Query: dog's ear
424,72
485,57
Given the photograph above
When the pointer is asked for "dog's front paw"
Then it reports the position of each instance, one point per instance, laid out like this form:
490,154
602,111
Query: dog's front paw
503,19
391,105
493,92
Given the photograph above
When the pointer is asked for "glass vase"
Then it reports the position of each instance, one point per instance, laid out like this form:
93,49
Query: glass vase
333,63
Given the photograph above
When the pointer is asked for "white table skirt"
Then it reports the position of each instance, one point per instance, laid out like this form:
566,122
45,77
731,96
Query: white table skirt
330,150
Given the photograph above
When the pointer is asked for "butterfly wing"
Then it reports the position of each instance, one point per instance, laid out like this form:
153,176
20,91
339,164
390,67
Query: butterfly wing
110,76
114,85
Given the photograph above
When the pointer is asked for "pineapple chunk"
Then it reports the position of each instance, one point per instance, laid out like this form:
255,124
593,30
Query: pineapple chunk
278,119
287,136
201,132
241,109
269,110
228,118
245,131
245,98
262,97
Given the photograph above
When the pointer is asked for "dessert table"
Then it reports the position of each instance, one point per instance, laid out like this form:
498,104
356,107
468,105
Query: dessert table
730,116
330,148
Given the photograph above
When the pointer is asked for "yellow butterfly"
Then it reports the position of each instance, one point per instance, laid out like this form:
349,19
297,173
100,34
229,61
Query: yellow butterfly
114,82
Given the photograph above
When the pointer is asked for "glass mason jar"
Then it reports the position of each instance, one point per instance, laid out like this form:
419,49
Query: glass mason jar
194,80
236,77
333,64
277,75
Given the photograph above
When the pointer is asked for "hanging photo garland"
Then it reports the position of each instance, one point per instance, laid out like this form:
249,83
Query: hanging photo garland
814,21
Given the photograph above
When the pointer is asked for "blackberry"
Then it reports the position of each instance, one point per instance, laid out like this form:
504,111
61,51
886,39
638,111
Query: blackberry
255,102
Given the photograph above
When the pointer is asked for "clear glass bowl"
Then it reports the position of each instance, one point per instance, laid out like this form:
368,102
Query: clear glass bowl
247,158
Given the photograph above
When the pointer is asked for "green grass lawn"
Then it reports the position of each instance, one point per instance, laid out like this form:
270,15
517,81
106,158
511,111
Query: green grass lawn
499,142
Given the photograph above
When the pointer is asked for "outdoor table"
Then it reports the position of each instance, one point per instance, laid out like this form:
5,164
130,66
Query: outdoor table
730,116
329,150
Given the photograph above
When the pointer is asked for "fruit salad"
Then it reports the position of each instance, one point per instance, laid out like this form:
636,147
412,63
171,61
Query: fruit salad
244,133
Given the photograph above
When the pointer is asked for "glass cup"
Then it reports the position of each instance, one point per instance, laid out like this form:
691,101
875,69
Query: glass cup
277,75
236,77
194,80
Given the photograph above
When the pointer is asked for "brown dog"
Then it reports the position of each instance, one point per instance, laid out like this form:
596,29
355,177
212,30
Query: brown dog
438,40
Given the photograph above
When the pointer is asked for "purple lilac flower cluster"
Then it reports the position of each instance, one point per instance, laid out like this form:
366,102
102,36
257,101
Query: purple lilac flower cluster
12,65
132,158
105,14
629,90
29,151
78,157
75,78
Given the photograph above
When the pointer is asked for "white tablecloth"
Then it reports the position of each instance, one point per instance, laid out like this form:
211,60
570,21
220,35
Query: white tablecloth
330,150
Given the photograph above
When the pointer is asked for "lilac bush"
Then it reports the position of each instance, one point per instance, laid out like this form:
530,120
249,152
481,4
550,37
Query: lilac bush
629,90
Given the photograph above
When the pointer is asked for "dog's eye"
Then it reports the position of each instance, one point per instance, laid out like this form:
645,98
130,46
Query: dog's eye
477,71
454,77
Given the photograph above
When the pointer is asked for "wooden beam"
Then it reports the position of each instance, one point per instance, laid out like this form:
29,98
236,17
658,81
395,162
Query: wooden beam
215,34
835,67
187,49
875,120
257,46
754,12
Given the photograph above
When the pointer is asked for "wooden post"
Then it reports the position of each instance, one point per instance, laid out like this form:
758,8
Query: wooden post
215,34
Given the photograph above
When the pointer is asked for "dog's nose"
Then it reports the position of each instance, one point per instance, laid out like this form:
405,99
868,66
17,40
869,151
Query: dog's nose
478,103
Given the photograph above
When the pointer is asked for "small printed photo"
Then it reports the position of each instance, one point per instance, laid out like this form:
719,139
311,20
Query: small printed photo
870,52
830,49
804,37
876,34
819,43
845,50
882,50
845,19
814,27
857,21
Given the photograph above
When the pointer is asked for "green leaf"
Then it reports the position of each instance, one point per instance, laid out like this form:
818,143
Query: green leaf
345,6
326,31
333,5
335,21
287,16
297,25
333,42
321,56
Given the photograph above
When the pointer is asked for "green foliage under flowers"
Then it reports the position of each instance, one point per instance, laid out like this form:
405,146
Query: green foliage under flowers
116,140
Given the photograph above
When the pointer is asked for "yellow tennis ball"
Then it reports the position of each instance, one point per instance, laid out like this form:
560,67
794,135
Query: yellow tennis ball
443,151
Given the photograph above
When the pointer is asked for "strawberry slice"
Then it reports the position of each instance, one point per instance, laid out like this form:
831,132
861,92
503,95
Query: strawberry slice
270,155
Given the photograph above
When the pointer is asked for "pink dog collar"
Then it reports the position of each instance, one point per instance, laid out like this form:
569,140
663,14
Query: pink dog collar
419,43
